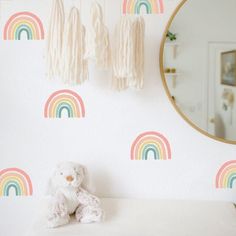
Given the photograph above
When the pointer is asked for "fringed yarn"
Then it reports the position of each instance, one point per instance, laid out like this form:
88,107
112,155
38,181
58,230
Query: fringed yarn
75,67
128,58
138,32
97,40
55,39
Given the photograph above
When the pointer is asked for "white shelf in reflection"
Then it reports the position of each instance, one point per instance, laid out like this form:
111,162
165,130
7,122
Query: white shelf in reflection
172,76
174,46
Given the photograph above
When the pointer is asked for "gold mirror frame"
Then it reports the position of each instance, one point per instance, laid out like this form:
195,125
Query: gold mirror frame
161,61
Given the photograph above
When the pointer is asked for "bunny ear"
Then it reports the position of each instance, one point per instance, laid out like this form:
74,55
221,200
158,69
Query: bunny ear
86,181
51,188
59,165
84,170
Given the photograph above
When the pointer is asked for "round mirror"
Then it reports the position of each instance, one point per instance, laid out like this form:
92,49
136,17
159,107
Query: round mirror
198,65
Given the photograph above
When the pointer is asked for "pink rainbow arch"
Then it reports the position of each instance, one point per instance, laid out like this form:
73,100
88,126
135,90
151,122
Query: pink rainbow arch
134,6
150,141
64,100
17,179
24,22
226,176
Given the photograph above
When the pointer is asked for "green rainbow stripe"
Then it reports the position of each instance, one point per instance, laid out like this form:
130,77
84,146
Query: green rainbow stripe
231,180
226,176
21,29
151,148
10,185
150,144
65,106
141,3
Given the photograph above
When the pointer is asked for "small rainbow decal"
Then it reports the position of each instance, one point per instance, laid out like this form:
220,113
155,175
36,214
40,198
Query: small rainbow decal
151,143
23,22
64,100
16,179
226,176
135,6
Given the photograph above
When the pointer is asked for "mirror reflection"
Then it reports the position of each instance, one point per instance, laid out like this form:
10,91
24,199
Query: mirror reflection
199,65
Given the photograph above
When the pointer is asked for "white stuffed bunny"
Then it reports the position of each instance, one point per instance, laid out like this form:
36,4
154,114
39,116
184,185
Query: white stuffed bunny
68,197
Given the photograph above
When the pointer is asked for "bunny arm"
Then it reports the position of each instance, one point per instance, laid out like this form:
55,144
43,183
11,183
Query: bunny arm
58,205
57,212
85,198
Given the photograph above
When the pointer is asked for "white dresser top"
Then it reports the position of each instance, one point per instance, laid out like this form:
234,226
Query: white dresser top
152,218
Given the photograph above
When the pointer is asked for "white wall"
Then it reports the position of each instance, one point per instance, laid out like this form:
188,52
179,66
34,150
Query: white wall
102,140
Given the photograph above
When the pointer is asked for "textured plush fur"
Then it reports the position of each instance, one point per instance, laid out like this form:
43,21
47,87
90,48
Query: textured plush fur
70,197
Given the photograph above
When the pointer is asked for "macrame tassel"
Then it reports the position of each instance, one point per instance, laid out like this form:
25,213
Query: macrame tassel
75,67
55,38
128,61
98,43
138,32
121,55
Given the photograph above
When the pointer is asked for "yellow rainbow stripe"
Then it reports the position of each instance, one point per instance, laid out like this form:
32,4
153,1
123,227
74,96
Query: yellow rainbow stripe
64,100
23,22
16,179
150,146
226,176
135,6
150,143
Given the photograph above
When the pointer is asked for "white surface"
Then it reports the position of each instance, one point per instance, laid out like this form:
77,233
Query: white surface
16,215
152,218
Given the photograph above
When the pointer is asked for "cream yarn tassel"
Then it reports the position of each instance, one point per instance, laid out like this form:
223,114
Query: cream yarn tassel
98,43
122,54
138,32
75,67
128,58
55,38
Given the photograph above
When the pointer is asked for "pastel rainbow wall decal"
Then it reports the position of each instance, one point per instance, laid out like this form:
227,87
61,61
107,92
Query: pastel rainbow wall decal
64,100
135,6
23,22
16,179
226,176
151,144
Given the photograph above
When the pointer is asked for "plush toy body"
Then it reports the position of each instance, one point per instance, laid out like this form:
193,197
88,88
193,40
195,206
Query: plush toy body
69,197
